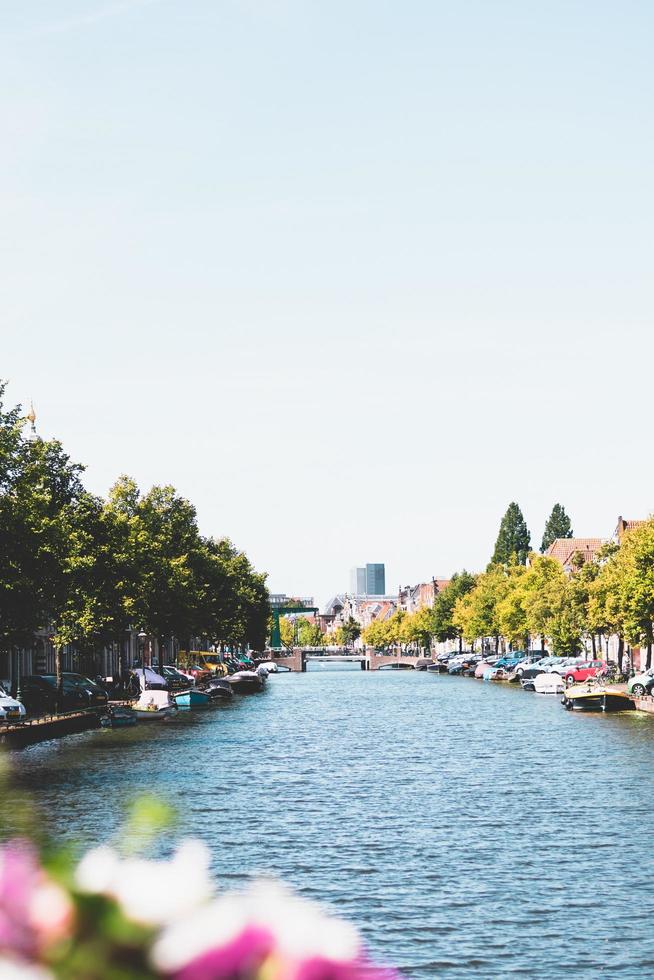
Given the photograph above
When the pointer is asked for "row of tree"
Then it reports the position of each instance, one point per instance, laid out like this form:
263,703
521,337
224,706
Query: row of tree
303,632
611,595
88,569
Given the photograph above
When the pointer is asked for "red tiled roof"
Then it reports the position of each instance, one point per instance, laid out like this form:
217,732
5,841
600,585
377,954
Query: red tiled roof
624,526
564,548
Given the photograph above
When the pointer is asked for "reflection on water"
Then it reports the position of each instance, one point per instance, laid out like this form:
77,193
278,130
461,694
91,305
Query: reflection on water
471,830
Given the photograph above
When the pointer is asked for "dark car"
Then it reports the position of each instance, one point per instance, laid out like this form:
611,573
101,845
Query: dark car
39,693
540,667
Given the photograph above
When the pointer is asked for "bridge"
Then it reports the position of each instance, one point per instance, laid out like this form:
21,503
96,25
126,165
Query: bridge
369,659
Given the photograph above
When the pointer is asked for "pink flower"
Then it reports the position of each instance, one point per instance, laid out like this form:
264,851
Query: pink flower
241,957
264,933
34,910
19,878
319,968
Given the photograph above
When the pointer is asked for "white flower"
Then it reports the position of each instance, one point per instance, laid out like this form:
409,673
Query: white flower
299,928
17,970
150,892
97,870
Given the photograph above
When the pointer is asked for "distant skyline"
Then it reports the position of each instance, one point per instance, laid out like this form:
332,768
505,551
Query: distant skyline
352,277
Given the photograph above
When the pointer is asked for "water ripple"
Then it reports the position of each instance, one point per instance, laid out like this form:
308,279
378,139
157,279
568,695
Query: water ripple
470,830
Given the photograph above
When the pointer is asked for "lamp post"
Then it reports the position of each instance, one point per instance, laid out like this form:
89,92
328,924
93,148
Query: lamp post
19,676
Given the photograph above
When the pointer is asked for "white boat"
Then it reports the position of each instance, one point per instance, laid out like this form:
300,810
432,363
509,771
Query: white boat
548,684
248,681
154,704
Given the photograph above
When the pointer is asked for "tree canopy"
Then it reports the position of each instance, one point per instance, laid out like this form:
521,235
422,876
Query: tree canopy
558,525
513,540
87,569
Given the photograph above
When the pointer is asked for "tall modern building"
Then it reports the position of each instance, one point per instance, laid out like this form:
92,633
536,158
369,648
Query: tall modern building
358,581
368,580
375,580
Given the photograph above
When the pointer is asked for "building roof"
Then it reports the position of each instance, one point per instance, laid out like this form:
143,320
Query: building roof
624,526
562,549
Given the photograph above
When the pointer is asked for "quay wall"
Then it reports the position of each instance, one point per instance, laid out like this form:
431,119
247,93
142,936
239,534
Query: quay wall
43,729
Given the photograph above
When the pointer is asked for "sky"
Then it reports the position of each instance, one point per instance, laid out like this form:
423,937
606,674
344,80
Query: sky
352,276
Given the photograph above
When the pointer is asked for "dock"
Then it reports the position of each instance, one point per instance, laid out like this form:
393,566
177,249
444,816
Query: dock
19,734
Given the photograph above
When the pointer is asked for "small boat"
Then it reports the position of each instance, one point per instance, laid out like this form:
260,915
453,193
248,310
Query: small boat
191,698
424,663
437,668
218,689
481,669
154,704
593,698
118,716
399,666
247,681
548,684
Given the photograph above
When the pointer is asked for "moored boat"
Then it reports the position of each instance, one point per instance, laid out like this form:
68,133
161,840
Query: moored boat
118,716
548,684
154,704
191,698
218,689
594,698
247,681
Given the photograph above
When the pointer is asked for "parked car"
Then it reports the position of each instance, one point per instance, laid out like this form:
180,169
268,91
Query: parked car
642,683
39,693
197,673
10,708
528,661
175,679
581,672
564,664
541,666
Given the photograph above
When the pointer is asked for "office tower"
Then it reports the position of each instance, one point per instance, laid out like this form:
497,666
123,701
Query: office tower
358,581
375,580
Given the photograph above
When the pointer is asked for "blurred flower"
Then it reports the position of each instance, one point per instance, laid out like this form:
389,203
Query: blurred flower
34,910
19,970
266,933
150,892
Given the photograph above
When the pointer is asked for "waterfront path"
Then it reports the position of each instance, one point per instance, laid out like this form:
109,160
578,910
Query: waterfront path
470,829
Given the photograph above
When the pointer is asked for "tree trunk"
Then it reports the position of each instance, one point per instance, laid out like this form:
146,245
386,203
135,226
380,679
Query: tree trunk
649,645
593,647
497,645
620,652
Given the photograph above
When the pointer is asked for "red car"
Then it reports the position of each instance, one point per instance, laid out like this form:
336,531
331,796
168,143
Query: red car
574,675
196,673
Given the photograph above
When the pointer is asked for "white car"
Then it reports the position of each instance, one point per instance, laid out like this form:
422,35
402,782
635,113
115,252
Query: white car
10,708
563,664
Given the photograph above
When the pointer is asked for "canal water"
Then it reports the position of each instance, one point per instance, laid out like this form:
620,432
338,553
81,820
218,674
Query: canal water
468,829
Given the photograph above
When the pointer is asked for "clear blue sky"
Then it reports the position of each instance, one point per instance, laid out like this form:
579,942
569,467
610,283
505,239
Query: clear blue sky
351,276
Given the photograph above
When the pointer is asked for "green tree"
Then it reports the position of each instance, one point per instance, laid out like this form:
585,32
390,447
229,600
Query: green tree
310,634
558,526
351,631
631,572
443,626
476,613
513,540
287,632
